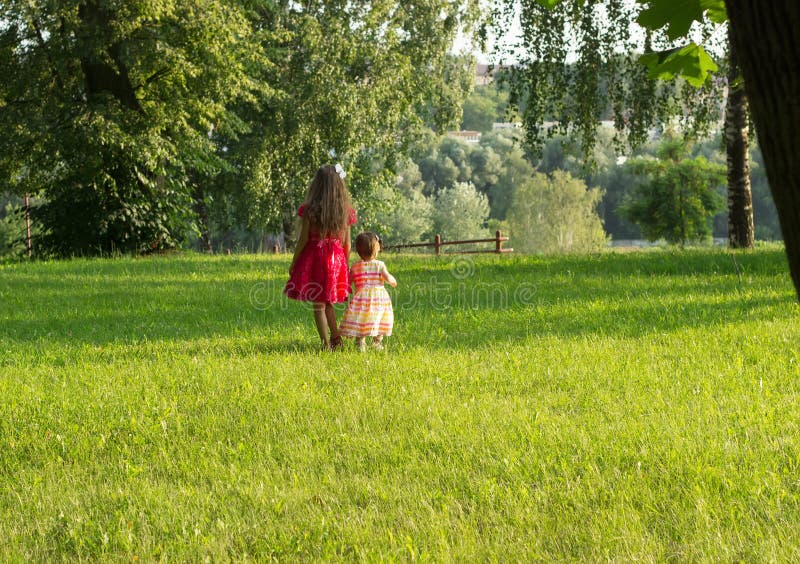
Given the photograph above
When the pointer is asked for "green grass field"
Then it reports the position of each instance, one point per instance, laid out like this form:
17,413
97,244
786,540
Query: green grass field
621,406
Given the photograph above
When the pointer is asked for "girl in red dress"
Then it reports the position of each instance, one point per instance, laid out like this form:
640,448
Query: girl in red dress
319,270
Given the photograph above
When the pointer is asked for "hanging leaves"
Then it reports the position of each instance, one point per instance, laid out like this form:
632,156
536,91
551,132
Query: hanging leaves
582,63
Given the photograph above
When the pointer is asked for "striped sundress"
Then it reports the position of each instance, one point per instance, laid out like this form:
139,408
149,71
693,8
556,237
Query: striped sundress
369,313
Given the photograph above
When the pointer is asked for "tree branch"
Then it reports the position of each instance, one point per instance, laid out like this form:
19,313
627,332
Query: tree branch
43,44
155,76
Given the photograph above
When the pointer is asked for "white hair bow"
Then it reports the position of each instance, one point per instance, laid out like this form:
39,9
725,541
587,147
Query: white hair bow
340,171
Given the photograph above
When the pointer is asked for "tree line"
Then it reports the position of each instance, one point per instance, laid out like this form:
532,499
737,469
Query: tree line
136,122
139,123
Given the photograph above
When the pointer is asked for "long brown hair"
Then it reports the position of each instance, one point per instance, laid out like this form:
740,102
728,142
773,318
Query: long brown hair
328,202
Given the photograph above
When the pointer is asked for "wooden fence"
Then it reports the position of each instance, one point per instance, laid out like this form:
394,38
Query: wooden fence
498,241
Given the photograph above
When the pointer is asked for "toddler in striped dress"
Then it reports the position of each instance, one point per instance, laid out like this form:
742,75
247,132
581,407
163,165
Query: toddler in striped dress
369,313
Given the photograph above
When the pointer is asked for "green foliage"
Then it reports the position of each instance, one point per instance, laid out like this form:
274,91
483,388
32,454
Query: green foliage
408,214
409,219
556,214
690,61
767,225
493,166
515,168
167,117
460,212
580,63
484,106
359,80
616,181
106,110
637,406
678,16
12,225
678,196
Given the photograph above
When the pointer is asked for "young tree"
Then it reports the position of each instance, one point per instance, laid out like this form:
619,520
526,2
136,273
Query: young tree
461,212
407,218
556,214
678,197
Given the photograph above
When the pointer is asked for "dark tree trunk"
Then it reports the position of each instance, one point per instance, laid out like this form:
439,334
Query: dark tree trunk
766,37
100,77
740,198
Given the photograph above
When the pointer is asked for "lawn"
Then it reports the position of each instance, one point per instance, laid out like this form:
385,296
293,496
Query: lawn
610,407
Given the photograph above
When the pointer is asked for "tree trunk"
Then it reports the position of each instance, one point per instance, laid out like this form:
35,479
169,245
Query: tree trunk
765,37
100,77
740,198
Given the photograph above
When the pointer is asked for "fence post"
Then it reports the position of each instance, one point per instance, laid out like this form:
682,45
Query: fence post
498,245
438,244
28,223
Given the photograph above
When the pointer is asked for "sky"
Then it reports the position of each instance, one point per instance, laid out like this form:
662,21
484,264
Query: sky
464,43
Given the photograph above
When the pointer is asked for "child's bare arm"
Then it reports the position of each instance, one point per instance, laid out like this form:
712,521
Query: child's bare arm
388,277
346,244
301,243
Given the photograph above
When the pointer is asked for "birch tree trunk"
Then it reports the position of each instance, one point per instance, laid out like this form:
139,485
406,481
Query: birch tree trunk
740,198
767,38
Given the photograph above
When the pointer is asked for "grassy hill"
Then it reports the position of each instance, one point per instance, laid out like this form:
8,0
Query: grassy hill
619,406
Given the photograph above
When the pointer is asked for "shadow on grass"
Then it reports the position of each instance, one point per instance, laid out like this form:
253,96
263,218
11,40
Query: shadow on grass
195,304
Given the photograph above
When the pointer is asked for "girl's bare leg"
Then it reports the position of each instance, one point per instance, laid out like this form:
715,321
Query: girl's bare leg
377,342
321,321
360,344
330,315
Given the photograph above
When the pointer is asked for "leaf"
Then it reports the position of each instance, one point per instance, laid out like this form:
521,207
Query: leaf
678,15
549,4
690,61
717,12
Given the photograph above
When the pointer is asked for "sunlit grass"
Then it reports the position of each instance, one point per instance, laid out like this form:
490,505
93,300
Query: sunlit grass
636,406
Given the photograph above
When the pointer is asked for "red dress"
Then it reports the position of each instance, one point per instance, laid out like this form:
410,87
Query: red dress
321,271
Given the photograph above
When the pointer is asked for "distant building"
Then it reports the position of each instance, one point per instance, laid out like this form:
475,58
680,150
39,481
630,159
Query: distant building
507,125
468,136
484,74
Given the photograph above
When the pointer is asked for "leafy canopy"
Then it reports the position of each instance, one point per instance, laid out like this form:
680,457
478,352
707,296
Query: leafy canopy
150,114
676,17
579,63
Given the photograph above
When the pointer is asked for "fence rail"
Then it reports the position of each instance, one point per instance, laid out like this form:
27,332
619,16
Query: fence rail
498,241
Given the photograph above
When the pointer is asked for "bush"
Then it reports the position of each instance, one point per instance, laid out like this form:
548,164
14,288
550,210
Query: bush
408,218
461,213
12,226
556,214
